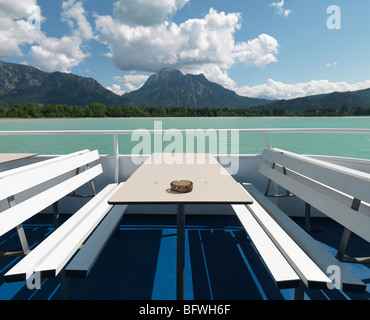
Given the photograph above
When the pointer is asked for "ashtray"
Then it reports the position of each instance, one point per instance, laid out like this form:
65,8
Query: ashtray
181,186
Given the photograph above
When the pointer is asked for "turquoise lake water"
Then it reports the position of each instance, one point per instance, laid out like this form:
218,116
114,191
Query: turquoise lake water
357,146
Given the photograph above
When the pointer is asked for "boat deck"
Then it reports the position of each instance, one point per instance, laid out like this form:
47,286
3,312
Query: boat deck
139,262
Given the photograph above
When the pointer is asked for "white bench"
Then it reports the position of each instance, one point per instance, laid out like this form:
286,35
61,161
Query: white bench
338,192
274,233
288,264
66,174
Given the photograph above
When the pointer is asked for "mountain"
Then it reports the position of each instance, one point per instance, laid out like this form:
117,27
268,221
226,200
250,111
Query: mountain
20,84
335,100
171,88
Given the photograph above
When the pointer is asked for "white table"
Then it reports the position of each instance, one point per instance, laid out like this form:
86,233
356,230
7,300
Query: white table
150,184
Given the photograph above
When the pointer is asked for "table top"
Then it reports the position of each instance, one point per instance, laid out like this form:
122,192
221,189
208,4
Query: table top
150,183
8,157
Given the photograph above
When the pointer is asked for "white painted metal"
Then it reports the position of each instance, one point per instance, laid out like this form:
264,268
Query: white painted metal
56,250
116,157
308,271
122,132
18,182
263,132
39,164
312,248
14,216
339,196
350,181
278,266
351,219
84,260
267,141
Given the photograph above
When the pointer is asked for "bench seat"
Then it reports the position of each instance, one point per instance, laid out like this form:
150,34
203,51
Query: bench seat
51,255
316,252
338,192
84,260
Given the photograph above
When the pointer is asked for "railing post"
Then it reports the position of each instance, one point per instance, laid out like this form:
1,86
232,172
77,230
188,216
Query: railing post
267,142
116,157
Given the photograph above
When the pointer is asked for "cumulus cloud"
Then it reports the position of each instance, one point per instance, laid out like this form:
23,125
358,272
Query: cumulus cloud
73,13
214,74
146,12
280,90
196,44
130,82
17,9
20,24
259,52
52,54
280,10
116,88
17,27
61,54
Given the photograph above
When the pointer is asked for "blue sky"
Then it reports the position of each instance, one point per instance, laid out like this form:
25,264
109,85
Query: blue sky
274,48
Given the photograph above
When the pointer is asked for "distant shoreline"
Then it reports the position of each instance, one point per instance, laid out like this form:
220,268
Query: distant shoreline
188,118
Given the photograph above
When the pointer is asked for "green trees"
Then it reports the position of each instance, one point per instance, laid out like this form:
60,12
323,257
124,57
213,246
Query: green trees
96,110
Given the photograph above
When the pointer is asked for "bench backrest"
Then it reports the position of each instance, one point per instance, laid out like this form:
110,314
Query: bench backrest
339,192
21,179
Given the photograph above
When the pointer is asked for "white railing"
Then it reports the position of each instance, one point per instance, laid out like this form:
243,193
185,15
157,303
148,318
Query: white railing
116,133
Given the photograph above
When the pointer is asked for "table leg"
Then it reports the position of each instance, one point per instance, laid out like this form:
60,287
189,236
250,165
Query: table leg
180,251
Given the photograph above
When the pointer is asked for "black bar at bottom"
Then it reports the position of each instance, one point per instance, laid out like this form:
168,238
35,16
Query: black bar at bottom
180,251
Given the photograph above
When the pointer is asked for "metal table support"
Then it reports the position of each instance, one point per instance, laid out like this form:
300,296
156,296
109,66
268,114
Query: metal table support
180,287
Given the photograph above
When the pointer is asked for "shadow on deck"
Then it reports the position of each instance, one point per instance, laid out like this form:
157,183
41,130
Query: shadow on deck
139,262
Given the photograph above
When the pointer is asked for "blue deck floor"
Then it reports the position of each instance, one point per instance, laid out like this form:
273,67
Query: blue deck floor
139,263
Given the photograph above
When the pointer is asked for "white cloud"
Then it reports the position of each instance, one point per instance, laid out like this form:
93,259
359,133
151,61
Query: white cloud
16,26
20,24
17,9
52,54
116,88
75,13
146,12
332,64
280,10
131,82
14,34
279,90
197,44
214,74
259,52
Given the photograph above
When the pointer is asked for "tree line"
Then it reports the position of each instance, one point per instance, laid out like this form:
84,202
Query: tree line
96,110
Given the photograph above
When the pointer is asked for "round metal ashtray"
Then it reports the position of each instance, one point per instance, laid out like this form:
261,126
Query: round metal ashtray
181,186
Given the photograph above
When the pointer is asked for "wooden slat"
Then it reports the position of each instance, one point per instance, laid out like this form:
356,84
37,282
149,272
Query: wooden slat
350,181
53,253
351,219
15,216
21,181
281,271
312,248
308,271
